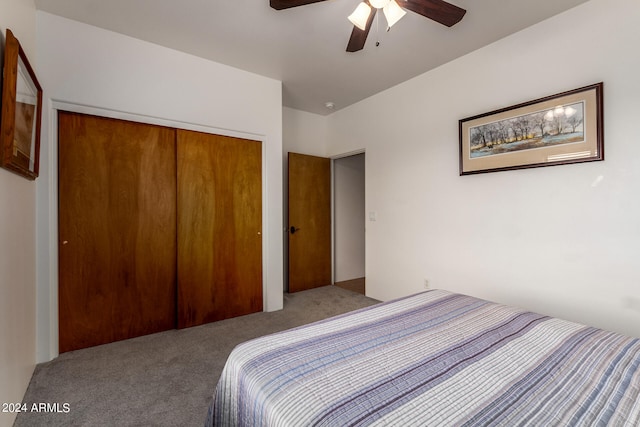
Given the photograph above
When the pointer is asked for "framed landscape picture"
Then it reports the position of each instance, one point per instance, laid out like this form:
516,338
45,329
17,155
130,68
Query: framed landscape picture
559,129
21,112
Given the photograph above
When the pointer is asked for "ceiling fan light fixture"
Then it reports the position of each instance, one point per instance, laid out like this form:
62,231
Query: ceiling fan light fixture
360,16
379,4
393,13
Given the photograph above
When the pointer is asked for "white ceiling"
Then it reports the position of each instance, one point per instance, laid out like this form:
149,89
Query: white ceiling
304,47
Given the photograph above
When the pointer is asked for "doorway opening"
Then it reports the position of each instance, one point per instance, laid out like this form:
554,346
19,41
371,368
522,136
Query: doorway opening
349,222
326,222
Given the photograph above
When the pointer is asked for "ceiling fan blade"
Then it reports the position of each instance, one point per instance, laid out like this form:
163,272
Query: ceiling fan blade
438,10
286,4
358,36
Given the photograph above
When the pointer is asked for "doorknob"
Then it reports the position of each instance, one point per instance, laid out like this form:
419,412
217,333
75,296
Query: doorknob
293,229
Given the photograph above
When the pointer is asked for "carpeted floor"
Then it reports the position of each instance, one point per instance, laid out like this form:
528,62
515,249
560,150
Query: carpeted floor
164,379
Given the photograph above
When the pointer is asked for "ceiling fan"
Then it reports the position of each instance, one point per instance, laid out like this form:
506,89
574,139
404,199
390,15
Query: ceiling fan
437,10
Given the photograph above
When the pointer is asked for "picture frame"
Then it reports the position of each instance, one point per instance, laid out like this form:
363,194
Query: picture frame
555,130
21,112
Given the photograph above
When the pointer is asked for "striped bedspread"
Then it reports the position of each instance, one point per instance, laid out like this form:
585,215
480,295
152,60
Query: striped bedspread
432,359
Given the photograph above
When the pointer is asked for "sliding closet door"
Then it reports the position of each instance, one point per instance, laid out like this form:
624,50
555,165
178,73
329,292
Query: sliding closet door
219,227
117,230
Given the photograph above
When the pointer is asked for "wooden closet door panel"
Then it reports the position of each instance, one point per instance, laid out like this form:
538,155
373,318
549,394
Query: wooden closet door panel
219,227
117,230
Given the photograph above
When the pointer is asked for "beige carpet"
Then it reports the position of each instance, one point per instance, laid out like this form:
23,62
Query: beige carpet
165,379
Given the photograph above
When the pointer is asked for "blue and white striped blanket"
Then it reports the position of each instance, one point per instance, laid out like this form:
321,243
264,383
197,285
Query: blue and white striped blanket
432,359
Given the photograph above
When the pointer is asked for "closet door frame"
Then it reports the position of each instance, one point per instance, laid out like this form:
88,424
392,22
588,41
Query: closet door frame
53,237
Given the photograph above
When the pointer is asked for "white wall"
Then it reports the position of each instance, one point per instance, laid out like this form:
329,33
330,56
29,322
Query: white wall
85,68
561,240
303,132
349,217
17,242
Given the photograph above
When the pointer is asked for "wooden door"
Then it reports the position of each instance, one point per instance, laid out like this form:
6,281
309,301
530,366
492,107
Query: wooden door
219,227
117,230
309,222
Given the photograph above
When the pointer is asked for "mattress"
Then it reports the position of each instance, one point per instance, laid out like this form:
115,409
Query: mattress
432,359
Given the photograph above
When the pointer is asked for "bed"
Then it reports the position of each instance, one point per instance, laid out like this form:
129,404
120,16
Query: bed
432,359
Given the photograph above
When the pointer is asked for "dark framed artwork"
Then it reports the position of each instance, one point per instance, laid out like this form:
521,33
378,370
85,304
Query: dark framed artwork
21,112
556,130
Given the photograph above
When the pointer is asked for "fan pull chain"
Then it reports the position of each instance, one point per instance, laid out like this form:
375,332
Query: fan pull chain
377,29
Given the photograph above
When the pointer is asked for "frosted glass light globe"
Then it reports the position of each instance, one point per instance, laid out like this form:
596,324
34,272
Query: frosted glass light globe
378,4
